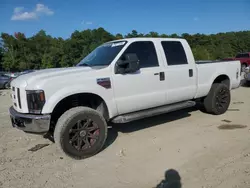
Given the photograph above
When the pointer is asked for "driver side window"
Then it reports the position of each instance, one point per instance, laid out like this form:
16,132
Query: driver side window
145,52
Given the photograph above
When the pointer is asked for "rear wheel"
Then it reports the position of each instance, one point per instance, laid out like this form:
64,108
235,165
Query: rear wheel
218,99
80,132
247,83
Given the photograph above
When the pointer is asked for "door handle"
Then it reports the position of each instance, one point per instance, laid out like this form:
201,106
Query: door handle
161,75
190,71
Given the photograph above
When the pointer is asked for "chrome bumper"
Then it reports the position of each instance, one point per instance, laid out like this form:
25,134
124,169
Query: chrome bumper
28,122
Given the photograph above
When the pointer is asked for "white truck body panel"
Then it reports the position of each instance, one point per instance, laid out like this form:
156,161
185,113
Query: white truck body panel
208,72
67,81
129,92
138,95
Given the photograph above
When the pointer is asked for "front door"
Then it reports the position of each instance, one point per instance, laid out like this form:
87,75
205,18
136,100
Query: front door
143,89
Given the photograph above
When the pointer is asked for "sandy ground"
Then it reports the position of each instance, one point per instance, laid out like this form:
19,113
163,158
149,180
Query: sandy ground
138,154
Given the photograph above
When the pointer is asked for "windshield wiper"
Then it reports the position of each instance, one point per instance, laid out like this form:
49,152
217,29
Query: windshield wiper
84,65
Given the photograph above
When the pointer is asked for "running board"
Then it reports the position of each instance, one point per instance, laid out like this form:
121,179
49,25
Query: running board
125,118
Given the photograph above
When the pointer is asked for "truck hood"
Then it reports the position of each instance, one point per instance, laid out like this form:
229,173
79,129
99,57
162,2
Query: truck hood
46,74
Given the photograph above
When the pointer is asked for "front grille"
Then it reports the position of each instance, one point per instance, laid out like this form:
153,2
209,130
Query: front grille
18,98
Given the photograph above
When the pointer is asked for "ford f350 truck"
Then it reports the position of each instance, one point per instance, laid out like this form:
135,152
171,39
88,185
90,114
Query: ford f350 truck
120,81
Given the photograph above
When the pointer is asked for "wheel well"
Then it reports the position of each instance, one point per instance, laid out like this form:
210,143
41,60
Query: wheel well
222,79
81,99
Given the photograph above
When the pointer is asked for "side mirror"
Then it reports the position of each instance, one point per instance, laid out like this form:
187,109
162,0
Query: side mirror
128,63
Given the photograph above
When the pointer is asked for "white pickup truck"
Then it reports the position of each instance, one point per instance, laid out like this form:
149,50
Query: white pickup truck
120,81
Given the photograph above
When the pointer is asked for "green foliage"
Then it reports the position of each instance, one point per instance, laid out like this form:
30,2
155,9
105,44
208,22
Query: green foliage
1,55
17,52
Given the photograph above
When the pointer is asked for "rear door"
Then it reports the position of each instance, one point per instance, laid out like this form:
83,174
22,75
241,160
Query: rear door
145,88
180,71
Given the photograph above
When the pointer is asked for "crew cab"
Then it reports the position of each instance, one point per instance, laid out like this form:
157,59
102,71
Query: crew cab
244,59
120,81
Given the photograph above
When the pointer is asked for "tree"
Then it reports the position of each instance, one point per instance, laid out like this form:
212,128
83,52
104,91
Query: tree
18,52
201,53
1,54
10,49
1,58
118,36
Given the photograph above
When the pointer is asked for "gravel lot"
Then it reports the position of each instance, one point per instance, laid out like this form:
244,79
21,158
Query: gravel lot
138,154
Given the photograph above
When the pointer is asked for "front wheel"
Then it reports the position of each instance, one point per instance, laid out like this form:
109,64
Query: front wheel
218,99
80,132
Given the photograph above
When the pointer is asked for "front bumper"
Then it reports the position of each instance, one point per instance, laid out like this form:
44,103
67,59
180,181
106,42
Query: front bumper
29,122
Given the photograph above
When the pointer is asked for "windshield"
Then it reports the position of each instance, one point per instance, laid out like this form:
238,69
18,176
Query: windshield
103,55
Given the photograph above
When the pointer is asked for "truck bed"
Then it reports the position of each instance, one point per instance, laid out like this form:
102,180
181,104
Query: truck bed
209,70
209,61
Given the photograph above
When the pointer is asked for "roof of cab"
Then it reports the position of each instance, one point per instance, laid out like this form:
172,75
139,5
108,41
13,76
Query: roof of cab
148,39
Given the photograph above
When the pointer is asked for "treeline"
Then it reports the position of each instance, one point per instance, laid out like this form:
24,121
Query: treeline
17,52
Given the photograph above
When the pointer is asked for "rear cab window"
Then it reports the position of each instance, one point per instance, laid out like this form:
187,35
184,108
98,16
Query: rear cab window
174,53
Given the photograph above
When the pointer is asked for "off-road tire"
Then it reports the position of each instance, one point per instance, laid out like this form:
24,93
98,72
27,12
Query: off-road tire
218,90
67,121
247,83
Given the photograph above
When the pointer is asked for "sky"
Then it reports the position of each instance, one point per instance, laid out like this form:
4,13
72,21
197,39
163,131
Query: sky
60,18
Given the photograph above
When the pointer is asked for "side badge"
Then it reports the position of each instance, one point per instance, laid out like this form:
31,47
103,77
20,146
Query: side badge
104,82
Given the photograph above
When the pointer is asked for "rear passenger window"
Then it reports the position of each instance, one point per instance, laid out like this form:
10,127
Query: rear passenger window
145,50
174,52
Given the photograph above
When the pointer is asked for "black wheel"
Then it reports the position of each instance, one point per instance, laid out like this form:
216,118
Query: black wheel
218,99
81,132
247,83
200,106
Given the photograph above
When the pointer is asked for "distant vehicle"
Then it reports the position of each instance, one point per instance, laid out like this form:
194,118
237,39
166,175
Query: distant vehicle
12,75
120,81
26,72
4,81
244,59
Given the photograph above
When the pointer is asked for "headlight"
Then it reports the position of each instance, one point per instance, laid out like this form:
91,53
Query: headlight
36,100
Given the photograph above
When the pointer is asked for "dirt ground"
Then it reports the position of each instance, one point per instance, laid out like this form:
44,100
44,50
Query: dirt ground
188,144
